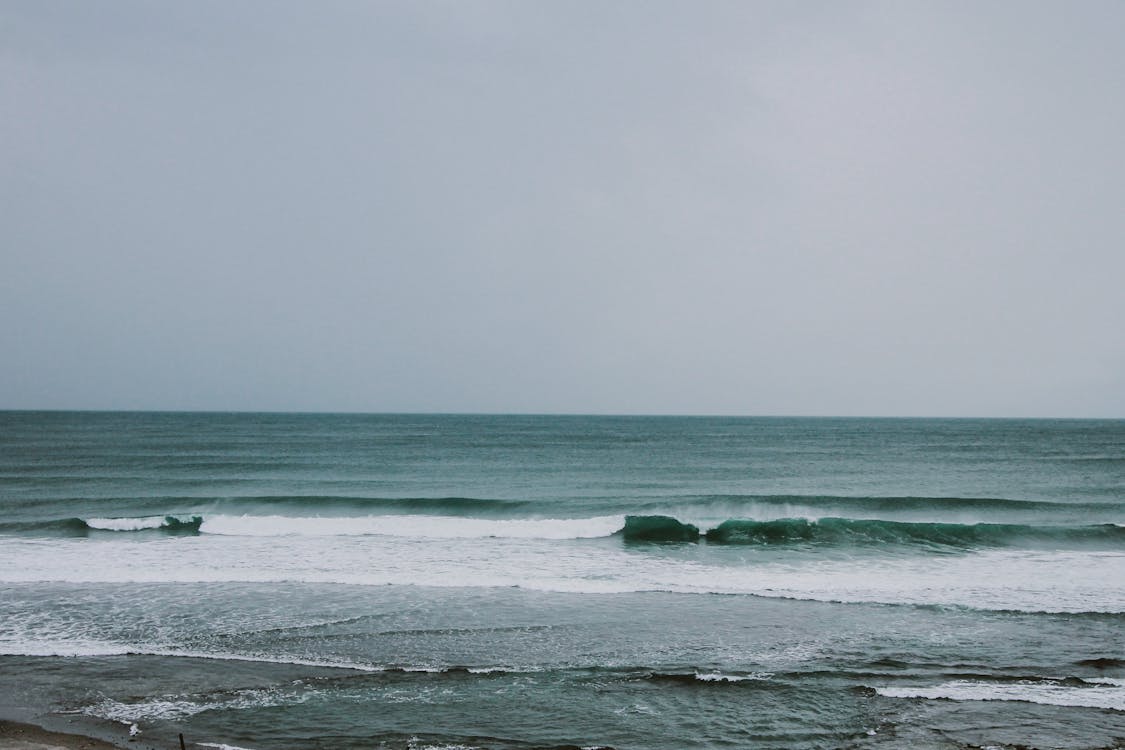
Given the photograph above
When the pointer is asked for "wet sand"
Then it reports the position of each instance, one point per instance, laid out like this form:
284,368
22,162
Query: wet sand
17,736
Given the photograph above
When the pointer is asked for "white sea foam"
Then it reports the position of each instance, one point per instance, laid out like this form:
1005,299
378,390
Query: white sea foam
504,670
1033,581
412,744
720,677
81,647
60,647
126,524
177,708
221,746
1102,695
418,527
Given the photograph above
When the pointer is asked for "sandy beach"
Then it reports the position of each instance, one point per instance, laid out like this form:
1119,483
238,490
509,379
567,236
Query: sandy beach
17,736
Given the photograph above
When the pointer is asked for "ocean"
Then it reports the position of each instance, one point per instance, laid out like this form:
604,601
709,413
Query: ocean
270,581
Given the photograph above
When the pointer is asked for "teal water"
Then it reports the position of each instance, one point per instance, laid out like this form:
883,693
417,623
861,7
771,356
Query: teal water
357,581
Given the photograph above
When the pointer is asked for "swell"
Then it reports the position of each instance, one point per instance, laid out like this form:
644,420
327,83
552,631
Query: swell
879,503
734,504
312,503
1103,662
443,505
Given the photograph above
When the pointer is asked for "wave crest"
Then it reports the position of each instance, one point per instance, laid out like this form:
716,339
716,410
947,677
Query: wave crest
167,523
848,531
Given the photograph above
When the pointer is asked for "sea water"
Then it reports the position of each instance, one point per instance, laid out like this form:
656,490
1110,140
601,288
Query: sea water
397,581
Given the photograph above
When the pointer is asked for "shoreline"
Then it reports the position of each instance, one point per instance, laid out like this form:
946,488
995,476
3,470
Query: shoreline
25,735
18,735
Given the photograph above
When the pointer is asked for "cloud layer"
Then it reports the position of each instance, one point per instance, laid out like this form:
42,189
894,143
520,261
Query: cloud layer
863,208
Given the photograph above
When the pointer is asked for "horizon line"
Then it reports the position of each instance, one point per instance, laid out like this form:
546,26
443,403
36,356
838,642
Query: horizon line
616,415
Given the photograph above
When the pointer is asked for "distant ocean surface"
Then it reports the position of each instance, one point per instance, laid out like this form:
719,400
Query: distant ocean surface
272,581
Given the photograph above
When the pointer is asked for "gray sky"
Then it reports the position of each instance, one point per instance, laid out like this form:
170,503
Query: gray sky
899,208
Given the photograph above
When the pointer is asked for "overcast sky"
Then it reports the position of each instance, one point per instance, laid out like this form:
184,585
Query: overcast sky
838,208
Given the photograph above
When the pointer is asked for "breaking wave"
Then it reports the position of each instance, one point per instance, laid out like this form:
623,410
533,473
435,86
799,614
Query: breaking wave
83,527
851,532
167,523
792,532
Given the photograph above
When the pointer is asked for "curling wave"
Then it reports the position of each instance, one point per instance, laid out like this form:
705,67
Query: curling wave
79,527
848,531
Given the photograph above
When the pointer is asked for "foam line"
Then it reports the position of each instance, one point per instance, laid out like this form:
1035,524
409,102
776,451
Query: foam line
1107,694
